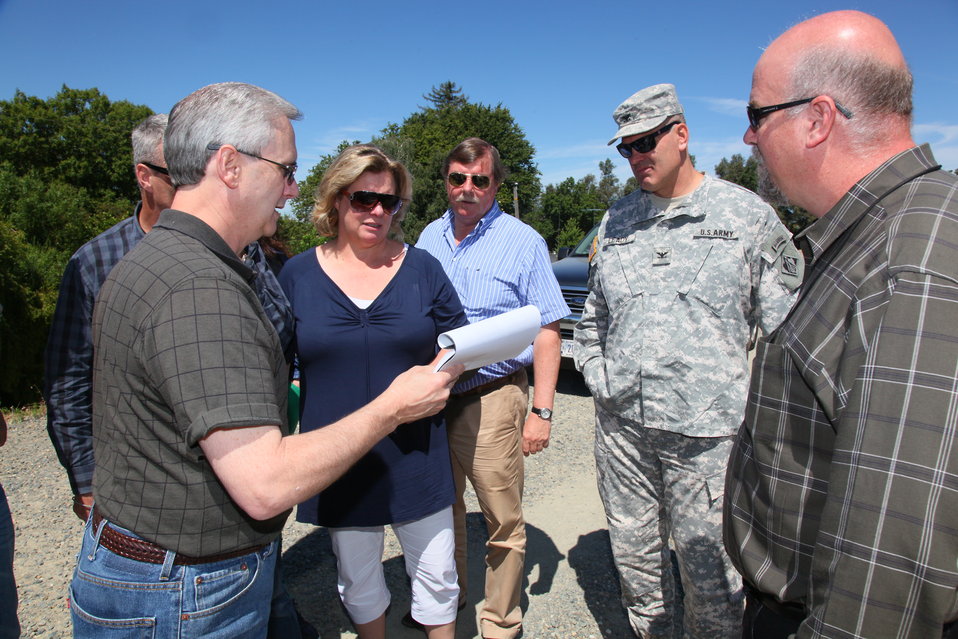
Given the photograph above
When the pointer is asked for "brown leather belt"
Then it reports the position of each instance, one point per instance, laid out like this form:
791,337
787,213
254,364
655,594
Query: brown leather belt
498,382
142,550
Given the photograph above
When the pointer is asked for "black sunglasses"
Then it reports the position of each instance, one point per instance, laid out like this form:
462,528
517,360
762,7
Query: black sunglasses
755,114
289,170
478,181
367,200
644,144
158,169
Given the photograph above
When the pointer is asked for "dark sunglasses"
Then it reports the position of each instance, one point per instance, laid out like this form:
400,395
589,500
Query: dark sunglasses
158,169
367,200
755,114
478,181
644,144
289,170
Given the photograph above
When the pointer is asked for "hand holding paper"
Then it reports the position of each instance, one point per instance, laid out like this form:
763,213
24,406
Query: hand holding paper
490,340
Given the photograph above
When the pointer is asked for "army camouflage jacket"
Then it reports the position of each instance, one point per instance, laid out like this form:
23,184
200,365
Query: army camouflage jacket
674,300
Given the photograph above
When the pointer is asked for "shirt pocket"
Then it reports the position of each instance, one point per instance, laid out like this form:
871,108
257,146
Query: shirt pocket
716,273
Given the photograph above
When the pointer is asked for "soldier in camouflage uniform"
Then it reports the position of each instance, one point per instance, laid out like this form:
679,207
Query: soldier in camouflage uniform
683,272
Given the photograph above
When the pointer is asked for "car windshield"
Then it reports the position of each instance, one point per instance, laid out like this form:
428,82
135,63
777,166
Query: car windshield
583,248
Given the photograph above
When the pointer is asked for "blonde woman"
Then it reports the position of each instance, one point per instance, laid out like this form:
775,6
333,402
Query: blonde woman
367,307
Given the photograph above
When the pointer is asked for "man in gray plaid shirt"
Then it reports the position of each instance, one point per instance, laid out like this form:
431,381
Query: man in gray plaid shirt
193,477
841,502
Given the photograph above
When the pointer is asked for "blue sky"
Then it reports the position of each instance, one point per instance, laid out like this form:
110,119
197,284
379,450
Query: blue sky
560,67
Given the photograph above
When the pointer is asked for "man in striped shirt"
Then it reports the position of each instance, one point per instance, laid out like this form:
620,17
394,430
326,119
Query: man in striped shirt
841,508
496,264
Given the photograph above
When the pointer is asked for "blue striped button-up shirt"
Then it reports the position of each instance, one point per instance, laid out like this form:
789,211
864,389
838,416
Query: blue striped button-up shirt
501,265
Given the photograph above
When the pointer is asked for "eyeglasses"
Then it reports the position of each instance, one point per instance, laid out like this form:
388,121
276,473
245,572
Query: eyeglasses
644,144
755,114
367,200
158,169
289,170
478,181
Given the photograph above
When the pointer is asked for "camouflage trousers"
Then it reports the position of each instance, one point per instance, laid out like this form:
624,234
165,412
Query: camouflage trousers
659,489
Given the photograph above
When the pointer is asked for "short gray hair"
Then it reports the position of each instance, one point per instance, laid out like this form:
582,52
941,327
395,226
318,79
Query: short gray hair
243,115
871,89
147,139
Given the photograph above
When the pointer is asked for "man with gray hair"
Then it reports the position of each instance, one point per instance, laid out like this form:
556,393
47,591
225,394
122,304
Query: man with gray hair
68,359
684,272
194,479
841,511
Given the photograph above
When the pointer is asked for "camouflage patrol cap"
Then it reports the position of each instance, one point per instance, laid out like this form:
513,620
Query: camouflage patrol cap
646,110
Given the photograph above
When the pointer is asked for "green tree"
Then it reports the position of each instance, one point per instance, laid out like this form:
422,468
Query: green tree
740,171
78,137
424,138
571,208
26,304
447,94
65,176
609,189
421,142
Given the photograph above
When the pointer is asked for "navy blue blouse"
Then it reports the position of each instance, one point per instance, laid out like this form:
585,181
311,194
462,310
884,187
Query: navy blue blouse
348,356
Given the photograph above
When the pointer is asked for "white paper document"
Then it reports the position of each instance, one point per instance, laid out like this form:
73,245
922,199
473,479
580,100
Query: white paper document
490,340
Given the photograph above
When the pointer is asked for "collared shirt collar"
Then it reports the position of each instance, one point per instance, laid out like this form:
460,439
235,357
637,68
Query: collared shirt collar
484,222
202,232
864,195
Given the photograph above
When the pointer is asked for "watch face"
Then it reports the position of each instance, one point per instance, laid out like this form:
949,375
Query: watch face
544,413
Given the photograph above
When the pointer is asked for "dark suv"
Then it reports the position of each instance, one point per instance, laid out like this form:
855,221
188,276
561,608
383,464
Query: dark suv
572,272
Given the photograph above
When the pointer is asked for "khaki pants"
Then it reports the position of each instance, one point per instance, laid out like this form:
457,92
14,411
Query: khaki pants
485,442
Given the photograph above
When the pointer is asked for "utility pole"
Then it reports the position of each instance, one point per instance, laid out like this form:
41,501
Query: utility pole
515,198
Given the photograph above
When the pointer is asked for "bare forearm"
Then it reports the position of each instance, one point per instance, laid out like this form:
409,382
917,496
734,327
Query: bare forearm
267,474
307,463
545,365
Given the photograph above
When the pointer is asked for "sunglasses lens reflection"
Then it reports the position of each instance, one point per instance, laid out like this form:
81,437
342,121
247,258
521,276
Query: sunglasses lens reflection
478,181
368,199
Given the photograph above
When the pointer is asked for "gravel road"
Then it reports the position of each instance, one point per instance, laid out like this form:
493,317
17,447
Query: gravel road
571,588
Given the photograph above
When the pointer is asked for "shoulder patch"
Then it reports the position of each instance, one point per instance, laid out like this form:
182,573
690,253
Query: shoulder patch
780,252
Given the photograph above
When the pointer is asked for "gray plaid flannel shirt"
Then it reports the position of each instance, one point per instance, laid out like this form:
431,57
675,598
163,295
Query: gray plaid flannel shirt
842,491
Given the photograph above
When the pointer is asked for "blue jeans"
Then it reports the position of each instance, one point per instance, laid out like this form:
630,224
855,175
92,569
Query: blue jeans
283,620
114,597
9,626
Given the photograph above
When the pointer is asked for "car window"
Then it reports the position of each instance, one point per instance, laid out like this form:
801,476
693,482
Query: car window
583,248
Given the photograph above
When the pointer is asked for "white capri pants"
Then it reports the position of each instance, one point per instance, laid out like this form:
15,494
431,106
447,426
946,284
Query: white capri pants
429,547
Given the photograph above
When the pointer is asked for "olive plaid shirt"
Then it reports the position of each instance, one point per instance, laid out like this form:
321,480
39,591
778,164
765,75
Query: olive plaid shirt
842,491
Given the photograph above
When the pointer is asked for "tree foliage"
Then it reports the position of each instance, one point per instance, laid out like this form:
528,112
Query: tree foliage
425,137
422,141
65,176
78,137
569,209
740,171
